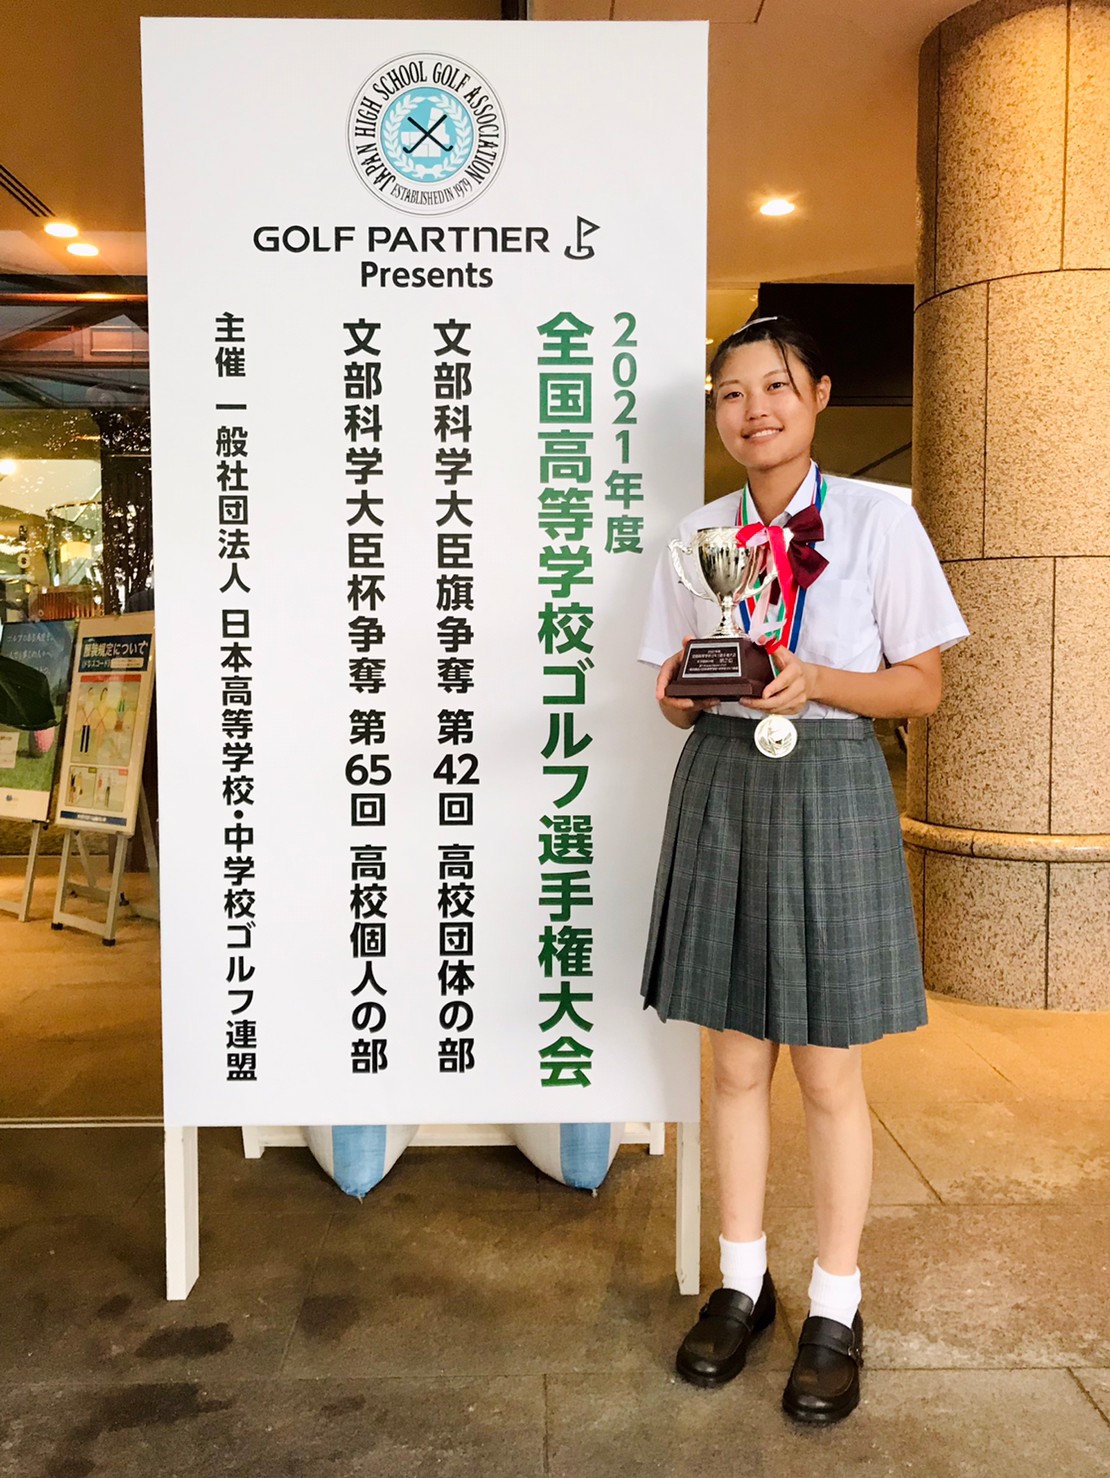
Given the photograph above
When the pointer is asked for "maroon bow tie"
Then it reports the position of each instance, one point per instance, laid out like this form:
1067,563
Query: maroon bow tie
807,529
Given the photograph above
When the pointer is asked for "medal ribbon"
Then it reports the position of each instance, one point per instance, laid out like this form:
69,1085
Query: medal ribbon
781,585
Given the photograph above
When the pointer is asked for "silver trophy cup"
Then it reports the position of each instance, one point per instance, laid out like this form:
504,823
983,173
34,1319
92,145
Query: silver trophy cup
727,569
725,664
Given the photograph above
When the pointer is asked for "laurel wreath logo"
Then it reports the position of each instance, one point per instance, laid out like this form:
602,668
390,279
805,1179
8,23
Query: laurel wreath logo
404,163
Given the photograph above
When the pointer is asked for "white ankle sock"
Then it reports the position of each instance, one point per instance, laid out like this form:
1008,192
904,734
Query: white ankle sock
743,1265
833,1295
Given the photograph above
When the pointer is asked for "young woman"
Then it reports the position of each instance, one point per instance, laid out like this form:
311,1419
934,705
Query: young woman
782,910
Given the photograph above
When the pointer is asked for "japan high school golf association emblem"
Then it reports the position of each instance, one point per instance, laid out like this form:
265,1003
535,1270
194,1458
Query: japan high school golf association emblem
426,133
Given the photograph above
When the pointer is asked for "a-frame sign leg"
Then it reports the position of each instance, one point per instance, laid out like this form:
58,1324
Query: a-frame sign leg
182,1212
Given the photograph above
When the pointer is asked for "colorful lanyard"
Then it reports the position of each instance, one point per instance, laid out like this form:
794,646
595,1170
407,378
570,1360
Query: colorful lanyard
790,604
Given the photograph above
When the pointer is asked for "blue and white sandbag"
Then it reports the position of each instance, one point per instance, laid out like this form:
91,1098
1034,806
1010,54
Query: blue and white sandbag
578,1155
358,1156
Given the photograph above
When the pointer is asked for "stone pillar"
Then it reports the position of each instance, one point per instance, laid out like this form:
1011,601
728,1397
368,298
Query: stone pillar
1008,790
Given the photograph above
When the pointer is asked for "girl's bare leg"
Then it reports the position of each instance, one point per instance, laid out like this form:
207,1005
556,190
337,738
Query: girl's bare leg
838,1126
743,1067
716,1348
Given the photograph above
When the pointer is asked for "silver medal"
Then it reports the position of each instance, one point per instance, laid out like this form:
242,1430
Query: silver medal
775,736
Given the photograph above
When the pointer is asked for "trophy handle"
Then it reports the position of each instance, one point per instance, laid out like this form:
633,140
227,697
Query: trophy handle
677,550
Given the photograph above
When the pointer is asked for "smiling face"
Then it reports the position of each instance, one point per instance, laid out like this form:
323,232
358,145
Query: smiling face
765,418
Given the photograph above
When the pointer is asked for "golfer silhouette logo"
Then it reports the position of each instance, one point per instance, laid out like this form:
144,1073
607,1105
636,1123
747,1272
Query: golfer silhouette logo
426,133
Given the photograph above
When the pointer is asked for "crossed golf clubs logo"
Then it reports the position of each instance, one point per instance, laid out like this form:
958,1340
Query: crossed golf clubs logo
430,135
428,147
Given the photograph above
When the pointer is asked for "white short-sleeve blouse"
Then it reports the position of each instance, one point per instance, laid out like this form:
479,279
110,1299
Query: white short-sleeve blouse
883,594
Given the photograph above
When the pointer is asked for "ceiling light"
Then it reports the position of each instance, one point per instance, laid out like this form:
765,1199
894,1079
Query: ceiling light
83,249
7,467
60,228
776,207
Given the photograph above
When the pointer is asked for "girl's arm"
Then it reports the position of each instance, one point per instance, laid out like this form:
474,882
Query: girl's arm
909,689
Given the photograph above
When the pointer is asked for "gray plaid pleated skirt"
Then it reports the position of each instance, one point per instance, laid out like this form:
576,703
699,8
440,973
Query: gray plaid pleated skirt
782,906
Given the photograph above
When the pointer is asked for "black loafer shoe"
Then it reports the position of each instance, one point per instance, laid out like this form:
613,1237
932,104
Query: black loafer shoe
715,1349
824,1384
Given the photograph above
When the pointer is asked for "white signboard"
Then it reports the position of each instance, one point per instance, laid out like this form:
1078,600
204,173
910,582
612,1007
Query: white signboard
427,310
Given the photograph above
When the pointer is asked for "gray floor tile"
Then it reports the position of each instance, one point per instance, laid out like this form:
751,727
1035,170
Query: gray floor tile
257,1429
448,1176
1013,1152
963,1286
413,1333
283,1179
587,1284
47,1172
87,1293
939,1424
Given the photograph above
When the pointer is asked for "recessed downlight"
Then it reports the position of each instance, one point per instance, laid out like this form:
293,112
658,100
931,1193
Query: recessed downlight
60,228
777,207
83,249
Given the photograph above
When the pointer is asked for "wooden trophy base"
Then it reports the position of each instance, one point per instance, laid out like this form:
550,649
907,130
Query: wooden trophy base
728,668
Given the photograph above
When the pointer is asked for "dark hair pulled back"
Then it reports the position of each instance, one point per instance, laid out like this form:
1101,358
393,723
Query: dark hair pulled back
785,334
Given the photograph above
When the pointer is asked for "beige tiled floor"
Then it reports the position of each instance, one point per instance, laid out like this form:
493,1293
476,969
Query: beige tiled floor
472,1318
80,1029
